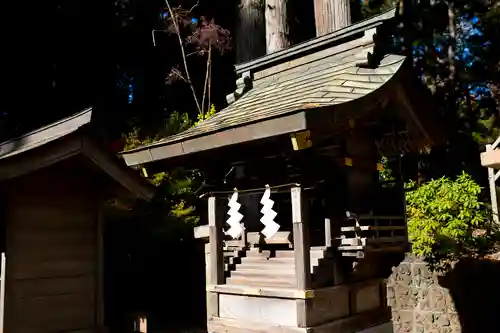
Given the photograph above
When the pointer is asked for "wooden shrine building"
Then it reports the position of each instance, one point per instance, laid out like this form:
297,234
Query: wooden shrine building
301,229
53,182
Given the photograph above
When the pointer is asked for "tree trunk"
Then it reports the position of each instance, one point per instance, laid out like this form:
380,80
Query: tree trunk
250,30
277,29
331,15
453,36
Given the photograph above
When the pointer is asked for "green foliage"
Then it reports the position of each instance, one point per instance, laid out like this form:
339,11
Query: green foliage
447,221
133,140
385,173
202,117
176,191
176,198
176,123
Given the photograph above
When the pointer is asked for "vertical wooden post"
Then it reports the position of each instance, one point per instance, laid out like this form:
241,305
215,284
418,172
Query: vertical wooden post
141,324
3,274
301,241
493,190
216,274
328,232
244,238
100,272
215,240
361,174
277,29
331,15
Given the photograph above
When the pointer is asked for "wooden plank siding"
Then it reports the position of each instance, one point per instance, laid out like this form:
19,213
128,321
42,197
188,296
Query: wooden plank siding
52,267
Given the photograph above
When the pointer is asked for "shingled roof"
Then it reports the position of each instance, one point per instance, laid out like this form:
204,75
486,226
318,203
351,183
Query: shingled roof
323,72
62,140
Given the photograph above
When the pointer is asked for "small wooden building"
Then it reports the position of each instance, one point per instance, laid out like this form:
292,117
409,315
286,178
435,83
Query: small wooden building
302,229
53,182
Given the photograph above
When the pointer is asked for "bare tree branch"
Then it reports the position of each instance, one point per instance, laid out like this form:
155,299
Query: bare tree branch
205,87
178,33
209,77
194,6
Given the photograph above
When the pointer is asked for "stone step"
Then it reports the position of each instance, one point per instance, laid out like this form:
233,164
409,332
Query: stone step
255,265
264,274
290,254
275,261
258,254
316,252
262,282
267,260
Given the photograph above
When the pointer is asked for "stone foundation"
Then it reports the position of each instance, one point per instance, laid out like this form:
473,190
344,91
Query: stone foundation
418,303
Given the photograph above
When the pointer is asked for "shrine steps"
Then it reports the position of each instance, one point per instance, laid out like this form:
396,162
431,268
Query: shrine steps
276,269
260,281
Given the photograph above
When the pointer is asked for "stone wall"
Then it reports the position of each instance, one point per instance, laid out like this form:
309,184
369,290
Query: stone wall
419,303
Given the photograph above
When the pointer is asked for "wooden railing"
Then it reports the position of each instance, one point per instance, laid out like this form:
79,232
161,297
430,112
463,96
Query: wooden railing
362,234
369,233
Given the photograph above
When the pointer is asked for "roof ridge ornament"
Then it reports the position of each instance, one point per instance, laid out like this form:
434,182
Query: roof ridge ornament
380,48
243,84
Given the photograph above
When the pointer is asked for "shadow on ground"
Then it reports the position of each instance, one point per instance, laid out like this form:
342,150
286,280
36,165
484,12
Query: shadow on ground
474,286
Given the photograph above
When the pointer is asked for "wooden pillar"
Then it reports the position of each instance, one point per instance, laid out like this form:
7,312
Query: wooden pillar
301,240
331,15
277,29
141,324
215,240
250,30
100,272
216,274
361,176
493,190
328,232
2,289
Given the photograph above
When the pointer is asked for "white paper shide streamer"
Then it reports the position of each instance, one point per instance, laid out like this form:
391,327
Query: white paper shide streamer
235,217
271,227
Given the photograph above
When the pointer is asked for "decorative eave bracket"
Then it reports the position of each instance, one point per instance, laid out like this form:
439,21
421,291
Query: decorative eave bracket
243,84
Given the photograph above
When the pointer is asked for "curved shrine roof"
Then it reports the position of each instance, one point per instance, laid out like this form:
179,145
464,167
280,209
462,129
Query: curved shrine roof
277,86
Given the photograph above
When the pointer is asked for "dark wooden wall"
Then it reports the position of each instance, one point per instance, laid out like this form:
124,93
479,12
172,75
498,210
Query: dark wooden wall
51,246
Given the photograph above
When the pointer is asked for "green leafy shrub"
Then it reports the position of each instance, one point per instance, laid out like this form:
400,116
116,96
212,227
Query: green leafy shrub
176,187
447,221
202,117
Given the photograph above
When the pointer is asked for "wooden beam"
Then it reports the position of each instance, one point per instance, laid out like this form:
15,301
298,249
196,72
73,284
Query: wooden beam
301,241
255,238
201,231
491,158
315,44
215,140
371,227
331,15
261,291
